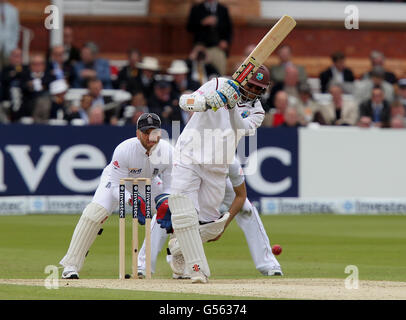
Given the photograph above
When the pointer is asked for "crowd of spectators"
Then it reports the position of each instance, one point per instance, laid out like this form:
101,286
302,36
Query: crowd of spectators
39,91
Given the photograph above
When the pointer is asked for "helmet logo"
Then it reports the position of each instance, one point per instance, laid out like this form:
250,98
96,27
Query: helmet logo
260,76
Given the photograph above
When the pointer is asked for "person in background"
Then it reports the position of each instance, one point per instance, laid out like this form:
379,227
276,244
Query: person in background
363,89
200,69
59,106
163,103
149,67
377,59
397,122
181,82
11,82
364,122
81,111
91,66
34,84
211,26
96,116
306,106
56,65
401,92
71,53
129,77
285,59
291,118
337,73
275,117
339,111
129,114
9,31
377,108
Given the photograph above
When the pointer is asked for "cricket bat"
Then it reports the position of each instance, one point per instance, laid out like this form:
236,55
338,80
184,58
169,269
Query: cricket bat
264,49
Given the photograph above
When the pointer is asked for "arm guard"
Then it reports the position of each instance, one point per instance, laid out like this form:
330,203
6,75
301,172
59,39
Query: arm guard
193,102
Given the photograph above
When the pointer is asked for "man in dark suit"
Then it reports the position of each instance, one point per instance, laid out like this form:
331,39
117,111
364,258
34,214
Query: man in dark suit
378,60
377,108
211,26
34,85
71,53
129,77
337,73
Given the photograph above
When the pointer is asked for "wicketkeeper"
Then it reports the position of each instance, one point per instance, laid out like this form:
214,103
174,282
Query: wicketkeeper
145,156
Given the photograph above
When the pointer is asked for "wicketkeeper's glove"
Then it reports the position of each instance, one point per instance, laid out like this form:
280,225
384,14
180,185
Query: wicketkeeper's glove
141,209
163,213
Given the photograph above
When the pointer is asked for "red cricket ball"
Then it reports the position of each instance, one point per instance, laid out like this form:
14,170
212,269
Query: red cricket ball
276,249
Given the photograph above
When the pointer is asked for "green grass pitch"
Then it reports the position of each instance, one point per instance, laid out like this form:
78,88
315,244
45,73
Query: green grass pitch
314,246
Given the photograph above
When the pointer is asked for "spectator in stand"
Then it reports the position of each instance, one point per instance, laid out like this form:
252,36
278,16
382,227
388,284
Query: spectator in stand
34,85
181,82
91,66
402,92
285,57
9,31
81,111
337,73
149,67
59,106
397,109
364,122
211,26
164,104
363,89
306,106
377,108
95,90
138,106
200,69
275,117
56,65
129,77
11,82
96,116
340,111
378,60
291,118
71,53
397,122
290,85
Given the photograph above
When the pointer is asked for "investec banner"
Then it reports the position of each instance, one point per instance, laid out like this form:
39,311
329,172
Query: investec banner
330,169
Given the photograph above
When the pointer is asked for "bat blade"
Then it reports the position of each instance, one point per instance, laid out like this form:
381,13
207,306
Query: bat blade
264,49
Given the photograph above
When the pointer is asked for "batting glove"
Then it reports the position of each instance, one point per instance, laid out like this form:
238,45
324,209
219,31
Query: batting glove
232,93
215,100
163,213
141,209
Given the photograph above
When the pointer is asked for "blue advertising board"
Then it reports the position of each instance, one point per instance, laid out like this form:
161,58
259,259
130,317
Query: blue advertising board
68,160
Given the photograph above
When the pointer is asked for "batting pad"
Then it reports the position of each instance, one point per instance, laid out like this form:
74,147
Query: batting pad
84,235
186,226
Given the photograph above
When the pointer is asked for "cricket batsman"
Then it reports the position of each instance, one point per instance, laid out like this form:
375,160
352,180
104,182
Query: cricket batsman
144,156
223,113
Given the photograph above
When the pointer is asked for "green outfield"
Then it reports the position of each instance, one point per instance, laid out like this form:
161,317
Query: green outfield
314,246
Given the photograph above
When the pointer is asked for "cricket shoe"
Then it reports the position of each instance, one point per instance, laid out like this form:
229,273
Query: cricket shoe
70,272
141,274
199,277
276,271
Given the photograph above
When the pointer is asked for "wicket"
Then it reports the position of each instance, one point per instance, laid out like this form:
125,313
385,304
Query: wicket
148,217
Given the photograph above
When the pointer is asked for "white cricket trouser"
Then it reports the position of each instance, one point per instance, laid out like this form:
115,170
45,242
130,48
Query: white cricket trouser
258,242
204,185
